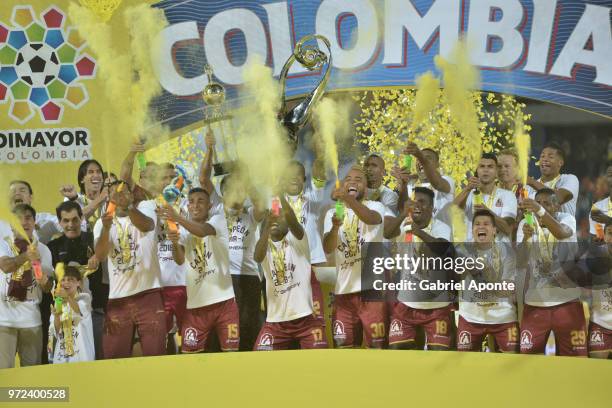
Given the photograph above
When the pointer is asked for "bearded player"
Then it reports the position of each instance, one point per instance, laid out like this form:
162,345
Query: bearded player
356,310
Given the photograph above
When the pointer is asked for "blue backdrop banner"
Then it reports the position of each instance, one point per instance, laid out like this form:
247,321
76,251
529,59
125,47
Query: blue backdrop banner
557,51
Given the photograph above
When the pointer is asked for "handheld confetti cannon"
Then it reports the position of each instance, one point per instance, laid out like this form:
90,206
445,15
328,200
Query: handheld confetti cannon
276,207
339,204
528,215
172,192
111,207
59,275
408,162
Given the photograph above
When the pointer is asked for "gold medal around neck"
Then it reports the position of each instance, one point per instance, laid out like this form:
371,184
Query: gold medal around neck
123,238
350,226
278,259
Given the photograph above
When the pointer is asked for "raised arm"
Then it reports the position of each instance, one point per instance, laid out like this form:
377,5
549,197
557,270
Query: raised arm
461,199
103,245
127,167
431,172
207,163
402,176
562,194
198,229
96,203
124,200
292,222
262,244
140,221
330,239
505,225
11,264
368,216
393,224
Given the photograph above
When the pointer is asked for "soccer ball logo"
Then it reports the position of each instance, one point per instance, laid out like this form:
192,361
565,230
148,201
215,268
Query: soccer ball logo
37,64
42,65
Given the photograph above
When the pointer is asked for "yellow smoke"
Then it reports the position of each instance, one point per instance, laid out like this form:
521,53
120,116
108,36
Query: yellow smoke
522,142
261,142
7,215
60,271
460,78
125,70
332,123
428,88
144,23
104,9
458,222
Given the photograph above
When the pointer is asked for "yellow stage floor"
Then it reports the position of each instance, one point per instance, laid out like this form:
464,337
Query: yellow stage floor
327,378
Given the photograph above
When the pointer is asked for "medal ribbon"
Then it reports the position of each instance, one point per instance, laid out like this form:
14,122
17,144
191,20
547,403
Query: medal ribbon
200,249
123,238
298,206
278,260
66,320
350,226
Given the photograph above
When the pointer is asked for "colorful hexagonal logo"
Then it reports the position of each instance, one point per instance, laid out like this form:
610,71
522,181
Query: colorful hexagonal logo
42,65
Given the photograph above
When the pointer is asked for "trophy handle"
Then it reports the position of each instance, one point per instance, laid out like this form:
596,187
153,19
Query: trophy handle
311,58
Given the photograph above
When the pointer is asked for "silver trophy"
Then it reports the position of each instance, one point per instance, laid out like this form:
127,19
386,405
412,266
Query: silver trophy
311,58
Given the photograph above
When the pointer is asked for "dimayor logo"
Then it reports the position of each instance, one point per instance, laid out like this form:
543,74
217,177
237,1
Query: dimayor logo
42,63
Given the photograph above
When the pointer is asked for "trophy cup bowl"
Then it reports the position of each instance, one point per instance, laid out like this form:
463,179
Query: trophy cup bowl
310,58
213,94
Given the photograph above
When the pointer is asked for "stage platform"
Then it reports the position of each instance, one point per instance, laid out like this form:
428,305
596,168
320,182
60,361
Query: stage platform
326,378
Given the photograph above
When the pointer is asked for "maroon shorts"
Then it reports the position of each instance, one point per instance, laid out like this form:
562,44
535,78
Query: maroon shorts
354,318
568,323
600,338
308,330
199,323
470,335
143,312
437,324
318,303
175,304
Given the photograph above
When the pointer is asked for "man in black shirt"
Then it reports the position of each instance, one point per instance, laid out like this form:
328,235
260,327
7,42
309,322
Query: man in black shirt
76,246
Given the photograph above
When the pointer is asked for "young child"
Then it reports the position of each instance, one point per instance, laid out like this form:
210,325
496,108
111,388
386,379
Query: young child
71,323
284,254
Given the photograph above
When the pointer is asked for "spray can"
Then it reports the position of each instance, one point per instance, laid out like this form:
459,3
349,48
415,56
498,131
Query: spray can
407,161
477,198
172,226
528,215
36,266
276,207
339,209
111,207
59,301
599,231
409,237
142,162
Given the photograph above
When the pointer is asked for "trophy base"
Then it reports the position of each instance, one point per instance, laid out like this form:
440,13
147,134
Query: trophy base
223,168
